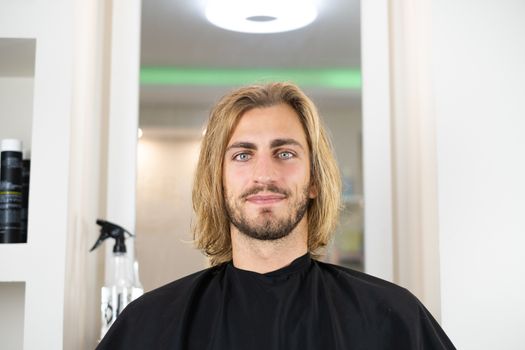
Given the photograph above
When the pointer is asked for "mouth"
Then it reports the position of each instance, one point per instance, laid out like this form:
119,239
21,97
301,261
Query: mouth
265,199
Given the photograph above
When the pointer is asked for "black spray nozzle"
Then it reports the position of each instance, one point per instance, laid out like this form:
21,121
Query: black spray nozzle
111,230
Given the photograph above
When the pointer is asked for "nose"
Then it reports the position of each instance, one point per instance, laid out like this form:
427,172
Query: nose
264,171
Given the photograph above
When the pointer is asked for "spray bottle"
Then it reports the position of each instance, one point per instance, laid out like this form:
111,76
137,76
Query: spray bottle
122,284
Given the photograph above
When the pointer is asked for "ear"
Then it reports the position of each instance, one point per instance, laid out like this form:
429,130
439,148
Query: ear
312,191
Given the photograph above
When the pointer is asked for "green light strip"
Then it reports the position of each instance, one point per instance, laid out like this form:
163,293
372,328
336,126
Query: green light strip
327,78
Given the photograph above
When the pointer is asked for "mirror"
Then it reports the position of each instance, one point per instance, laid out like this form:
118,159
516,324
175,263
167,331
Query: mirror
187,64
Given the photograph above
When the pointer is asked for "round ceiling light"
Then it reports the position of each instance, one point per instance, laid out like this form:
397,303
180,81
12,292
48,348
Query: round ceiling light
261,16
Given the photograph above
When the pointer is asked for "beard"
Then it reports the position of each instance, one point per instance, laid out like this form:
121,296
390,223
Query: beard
267,226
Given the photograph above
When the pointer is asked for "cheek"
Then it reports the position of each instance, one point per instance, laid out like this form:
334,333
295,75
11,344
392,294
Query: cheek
298,174
234,177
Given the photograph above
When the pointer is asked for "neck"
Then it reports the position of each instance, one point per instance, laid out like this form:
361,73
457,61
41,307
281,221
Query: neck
265,256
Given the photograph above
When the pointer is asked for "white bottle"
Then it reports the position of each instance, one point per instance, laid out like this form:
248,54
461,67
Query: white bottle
117,292
122,284
138,290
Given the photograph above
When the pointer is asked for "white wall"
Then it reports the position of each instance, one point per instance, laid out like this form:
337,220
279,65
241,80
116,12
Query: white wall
377,159
479,76
123,94
87,176
413,153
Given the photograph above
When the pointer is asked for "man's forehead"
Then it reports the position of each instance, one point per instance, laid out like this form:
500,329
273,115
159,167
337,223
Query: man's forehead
273,125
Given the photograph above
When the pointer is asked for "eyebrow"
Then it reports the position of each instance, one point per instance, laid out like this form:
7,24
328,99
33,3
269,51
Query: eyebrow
274,144
284,142
247,145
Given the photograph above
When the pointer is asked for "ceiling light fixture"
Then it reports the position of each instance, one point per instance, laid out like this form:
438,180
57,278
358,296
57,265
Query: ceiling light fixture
261,16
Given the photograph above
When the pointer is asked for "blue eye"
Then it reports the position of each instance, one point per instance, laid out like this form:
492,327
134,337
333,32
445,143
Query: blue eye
242,157
285,155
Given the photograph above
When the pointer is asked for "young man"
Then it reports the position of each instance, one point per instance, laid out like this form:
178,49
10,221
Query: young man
267,196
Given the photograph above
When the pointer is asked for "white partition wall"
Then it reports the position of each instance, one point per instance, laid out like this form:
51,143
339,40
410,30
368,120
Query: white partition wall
377,167
123,121
87,174
479,75
454,128
123,114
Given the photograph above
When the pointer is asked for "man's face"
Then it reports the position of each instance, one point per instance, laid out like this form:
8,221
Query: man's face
266,175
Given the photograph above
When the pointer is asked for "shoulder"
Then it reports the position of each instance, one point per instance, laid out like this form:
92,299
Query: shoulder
172,297
392,314
358,279
179,288
369,290
146,320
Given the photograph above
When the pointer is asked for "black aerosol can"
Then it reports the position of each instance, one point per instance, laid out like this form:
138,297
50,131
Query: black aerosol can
24,213
11,191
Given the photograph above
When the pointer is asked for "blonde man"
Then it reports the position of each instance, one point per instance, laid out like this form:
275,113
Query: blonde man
267,197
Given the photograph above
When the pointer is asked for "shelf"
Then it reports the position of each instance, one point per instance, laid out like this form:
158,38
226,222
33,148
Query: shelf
15,260
17,69
16,113
19,19
45,279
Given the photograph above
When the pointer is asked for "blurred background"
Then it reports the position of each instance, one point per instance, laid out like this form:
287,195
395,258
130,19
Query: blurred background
186,65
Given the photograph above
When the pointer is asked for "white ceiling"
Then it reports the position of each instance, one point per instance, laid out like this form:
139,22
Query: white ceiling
176,33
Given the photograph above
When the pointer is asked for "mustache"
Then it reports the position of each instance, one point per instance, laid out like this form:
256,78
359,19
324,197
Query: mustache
268,188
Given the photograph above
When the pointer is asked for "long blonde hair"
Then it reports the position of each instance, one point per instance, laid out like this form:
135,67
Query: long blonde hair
211,230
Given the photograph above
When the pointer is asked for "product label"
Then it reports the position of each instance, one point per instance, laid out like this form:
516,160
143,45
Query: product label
12,163
114,300
10,204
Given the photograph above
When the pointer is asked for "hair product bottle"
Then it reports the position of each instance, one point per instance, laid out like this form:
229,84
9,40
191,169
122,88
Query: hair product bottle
10,191
122,285
24,214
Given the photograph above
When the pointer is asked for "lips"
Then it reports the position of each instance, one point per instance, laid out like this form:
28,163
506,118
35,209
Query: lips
265,198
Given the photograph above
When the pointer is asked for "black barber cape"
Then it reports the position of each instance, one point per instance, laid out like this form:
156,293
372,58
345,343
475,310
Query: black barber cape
305,305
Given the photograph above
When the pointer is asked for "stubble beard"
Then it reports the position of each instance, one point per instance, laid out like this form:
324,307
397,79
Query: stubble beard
267,226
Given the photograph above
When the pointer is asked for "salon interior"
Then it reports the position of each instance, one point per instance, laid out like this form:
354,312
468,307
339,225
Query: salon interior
423,100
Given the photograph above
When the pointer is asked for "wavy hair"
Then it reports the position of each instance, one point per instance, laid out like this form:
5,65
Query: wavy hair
211,230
